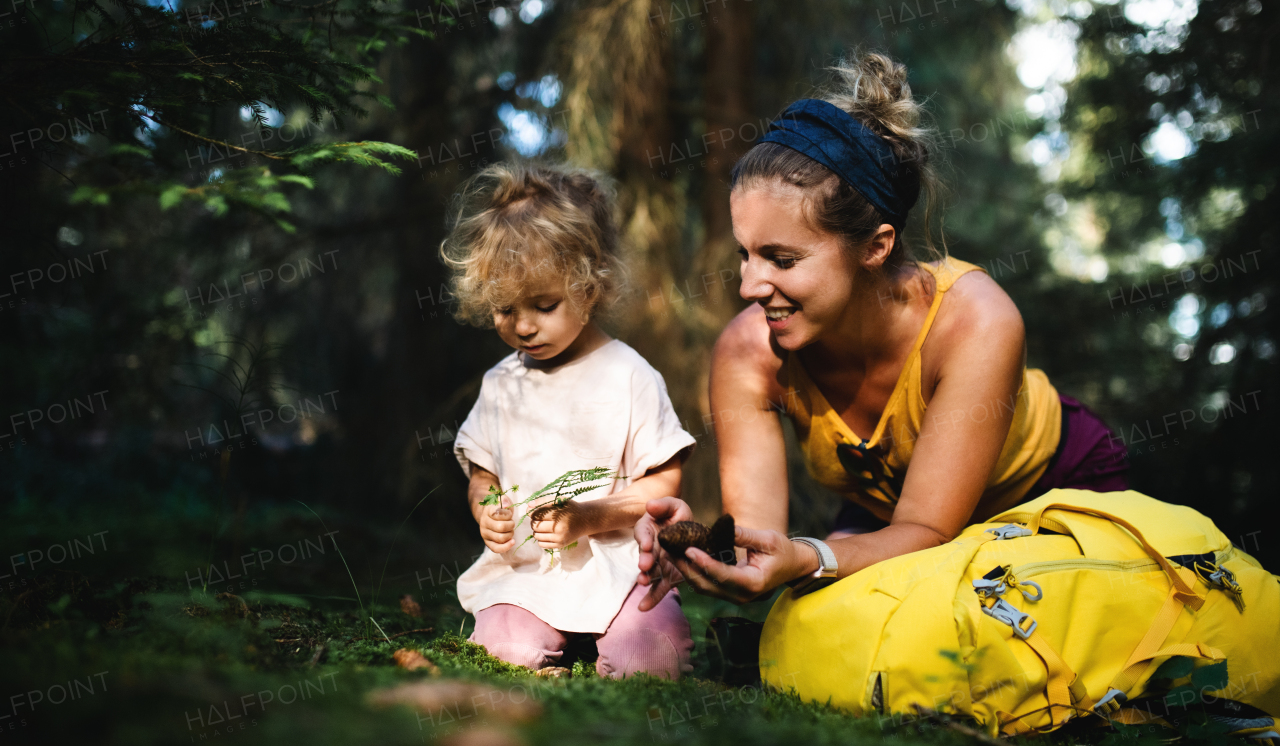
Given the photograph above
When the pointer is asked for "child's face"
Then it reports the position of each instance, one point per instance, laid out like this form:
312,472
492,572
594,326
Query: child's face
541,323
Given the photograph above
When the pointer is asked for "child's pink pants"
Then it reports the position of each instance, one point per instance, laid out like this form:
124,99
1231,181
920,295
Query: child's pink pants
656,641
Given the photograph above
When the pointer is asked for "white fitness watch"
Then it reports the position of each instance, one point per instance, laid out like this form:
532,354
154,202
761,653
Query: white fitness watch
822,577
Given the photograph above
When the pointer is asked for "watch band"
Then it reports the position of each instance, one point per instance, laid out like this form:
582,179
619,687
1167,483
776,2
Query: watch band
823,576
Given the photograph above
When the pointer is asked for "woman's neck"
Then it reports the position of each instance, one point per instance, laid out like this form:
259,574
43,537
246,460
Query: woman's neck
880,319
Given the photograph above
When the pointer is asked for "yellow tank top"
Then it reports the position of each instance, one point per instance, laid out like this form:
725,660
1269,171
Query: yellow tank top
871,471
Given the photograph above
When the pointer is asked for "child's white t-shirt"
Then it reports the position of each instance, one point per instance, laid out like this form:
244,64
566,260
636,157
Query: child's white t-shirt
607,408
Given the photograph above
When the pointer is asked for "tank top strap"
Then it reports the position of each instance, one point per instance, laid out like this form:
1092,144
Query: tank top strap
944,276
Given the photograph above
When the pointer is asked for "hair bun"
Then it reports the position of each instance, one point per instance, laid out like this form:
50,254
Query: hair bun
874,89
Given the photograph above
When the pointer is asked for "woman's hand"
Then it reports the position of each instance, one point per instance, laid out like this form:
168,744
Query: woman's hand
498,526
772,559
558,526
655,563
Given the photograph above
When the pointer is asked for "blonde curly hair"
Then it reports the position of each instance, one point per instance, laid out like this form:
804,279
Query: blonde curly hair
516,224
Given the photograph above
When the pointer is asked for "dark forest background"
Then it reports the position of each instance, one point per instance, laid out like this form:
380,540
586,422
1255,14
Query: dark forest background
223,294
230,382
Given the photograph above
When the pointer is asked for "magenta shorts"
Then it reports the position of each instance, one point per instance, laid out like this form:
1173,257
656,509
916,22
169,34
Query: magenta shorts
1089,457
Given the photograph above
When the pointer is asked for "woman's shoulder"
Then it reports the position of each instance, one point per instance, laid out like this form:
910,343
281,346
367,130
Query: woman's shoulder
747,338
975,308
978,300
748,346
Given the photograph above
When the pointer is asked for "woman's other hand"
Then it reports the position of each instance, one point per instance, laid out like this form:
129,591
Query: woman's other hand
772,559
655,563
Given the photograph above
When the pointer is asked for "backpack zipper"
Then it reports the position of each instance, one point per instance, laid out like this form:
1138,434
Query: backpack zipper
1084,563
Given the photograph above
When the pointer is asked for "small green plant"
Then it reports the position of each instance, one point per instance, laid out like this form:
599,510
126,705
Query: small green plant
496,495
558,492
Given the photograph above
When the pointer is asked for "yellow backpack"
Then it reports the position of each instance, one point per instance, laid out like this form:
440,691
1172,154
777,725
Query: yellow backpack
1065,606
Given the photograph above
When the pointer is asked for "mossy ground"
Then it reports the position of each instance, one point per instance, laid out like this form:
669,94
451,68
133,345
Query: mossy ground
125,646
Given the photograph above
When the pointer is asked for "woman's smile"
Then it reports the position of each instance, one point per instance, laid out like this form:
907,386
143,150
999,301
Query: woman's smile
778,316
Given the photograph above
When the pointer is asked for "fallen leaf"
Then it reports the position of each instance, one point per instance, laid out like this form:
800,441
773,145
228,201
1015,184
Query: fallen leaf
412,660
410,606
512,705
553,672
483,736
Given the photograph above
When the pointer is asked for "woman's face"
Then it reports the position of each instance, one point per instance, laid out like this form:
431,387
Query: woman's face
801,276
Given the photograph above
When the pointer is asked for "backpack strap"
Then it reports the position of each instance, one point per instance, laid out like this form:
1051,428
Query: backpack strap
1181,588
1149,648
1064,686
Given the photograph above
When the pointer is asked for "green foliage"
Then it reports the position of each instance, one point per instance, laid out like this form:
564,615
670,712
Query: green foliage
1199,679
1215,209
495,495
363,615
567,486
141,69
559,491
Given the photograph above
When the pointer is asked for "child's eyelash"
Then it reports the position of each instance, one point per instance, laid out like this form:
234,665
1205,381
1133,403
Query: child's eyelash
549,308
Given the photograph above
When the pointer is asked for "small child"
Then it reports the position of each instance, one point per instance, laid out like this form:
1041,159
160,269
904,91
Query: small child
533,250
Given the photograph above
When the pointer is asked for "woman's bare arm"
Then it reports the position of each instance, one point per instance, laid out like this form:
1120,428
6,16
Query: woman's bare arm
745,396
982,355
752,451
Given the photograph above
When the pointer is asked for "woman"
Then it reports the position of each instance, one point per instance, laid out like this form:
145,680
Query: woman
906,380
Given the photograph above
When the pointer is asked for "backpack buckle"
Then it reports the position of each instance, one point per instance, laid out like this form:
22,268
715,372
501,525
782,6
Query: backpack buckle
1224,579
1221,578
1002,611
989,588
1110,702
1009,531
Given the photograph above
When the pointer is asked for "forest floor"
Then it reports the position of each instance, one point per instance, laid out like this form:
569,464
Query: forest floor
143,640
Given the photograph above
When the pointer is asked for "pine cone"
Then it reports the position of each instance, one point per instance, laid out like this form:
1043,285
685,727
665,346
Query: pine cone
716,541
680,536
720,544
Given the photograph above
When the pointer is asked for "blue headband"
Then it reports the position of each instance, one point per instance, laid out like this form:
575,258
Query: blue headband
830,136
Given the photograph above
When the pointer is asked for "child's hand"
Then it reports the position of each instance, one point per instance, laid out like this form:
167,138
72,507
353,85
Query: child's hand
558,526
498,526
657,568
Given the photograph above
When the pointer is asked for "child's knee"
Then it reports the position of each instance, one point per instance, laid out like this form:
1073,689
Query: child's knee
644,650
514,635
521,654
